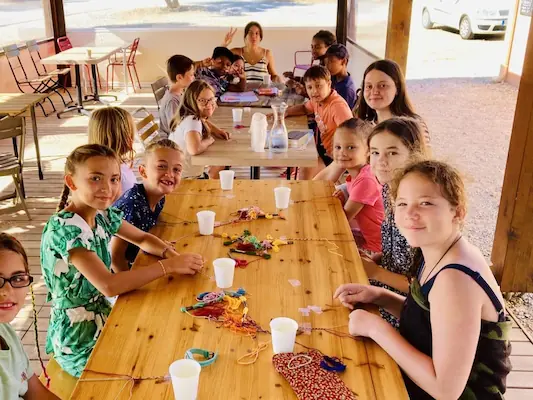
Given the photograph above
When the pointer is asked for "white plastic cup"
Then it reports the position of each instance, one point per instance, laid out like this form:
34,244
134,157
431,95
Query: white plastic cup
206,222
283,197
224,271
266,80
185,375
237,116
226,179
89,53
283,332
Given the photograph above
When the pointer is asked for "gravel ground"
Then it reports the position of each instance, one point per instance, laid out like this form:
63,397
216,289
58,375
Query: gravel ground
470,122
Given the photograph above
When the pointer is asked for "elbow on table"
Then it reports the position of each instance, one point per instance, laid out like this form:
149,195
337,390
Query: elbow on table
194,151
448,390
108,289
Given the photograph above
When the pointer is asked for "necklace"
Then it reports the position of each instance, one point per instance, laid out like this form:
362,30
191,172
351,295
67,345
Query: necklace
440,259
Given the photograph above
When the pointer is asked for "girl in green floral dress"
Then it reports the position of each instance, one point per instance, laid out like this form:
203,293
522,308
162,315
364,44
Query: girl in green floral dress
76,260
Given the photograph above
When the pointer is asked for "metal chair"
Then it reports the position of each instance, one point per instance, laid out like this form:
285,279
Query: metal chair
57,75
14,128
159,88
130,62
39,84
298,64
64,44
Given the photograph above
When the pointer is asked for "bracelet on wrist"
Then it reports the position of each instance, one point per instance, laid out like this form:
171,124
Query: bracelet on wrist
162,267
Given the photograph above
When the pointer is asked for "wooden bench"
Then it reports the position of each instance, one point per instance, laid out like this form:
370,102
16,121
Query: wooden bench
61,383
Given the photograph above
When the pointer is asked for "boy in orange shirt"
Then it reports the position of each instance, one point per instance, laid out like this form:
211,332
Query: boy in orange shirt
330,111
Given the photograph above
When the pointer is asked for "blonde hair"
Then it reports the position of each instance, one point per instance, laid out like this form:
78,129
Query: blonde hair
189,106
79,156
162,144
113,127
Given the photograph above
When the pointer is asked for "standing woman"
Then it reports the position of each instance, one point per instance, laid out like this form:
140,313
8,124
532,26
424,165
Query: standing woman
385,95
258,61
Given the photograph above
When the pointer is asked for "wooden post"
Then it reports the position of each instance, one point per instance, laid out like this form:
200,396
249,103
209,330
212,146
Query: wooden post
59,28
512,251
342,21
398,29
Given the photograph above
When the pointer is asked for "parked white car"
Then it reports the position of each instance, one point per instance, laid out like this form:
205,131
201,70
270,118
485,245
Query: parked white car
470,17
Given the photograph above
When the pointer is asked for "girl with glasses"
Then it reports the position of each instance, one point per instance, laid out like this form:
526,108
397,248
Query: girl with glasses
17,377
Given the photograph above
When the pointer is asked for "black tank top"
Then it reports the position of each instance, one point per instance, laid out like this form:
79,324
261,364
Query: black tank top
491,362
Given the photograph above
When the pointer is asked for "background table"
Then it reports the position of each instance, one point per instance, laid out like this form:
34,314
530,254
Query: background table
14,104
146,330
238,150
78,56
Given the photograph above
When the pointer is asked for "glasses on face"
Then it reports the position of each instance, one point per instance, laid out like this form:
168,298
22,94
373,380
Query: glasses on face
206,102
17,281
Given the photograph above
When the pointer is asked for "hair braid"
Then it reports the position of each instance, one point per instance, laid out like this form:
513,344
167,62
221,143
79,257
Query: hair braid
63,199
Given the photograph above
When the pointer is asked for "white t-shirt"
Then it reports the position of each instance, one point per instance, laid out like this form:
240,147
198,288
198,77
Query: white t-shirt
188,124
127,178
15,369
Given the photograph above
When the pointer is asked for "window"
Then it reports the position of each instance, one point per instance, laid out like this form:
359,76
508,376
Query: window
22,20
367,25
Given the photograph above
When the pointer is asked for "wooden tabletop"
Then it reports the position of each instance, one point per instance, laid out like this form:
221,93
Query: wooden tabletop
146,331
238,150
16,103
78,55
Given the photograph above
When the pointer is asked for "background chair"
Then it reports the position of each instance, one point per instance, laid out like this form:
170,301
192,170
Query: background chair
58,76
14,128
303,60
119,62
147,129
64,44
39,84
159,88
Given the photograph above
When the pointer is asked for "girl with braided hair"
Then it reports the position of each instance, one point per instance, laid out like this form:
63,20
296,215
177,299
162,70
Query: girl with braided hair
76,259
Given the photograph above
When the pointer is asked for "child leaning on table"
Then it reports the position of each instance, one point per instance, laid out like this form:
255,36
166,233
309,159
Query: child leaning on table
192,132
142,204
76,261
363,206
114,127
17,377
330,111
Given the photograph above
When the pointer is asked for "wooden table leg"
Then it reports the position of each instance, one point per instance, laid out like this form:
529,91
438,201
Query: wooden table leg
36,141
289,171
256,172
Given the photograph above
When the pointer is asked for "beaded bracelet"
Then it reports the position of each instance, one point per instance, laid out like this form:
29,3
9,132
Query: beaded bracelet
162,267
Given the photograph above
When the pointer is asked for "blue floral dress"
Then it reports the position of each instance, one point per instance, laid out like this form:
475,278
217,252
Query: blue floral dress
79,310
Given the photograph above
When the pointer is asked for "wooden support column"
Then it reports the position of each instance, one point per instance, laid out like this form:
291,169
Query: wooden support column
342,21
512,251
59,28
398,29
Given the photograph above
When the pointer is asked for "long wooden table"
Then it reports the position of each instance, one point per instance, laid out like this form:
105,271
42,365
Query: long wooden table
238,150
14,104
78,56
146,331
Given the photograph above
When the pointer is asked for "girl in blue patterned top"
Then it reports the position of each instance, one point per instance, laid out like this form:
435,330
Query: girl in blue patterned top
76,261
142,204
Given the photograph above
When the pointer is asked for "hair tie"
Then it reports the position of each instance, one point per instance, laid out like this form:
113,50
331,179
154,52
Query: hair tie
209,356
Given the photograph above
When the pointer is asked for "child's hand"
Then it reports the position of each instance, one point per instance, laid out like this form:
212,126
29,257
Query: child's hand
300,89
206,62
229,37
339,194
185,264
221,134
351,294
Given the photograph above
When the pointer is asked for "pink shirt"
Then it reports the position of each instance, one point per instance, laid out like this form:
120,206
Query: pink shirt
365,189
329,115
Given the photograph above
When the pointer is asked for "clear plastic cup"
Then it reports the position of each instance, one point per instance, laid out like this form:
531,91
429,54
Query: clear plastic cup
224,271
206,222
89,53
237,116
226,179
185,375
283,197
266,80
283,332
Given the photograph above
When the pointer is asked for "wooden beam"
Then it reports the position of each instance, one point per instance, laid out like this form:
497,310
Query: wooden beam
342,21
58,20
512,251
398,29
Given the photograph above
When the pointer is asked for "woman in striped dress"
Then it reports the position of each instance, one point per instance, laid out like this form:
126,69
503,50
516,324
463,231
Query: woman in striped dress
258,61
